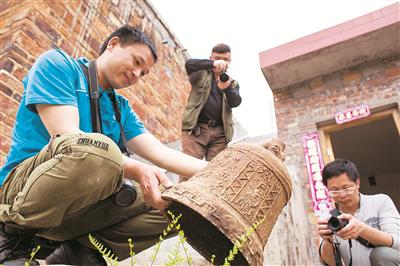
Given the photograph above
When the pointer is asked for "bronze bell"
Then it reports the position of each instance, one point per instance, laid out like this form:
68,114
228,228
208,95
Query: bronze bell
239,187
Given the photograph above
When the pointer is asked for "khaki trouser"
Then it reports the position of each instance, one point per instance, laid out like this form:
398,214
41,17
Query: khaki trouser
208,144
64,191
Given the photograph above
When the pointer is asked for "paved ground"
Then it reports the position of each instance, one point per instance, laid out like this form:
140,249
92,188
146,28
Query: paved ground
143,258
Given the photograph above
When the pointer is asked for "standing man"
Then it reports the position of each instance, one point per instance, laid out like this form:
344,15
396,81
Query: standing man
59,178
207,125
373,227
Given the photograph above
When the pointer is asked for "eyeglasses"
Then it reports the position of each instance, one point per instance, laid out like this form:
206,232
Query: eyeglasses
346,191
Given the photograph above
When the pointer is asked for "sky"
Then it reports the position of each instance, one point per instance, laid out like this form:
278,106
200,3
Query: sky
250,27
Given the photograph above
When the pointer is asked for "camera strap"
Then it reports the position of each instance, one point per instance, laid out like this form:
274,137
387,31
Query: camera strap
320,252
351,256
113,98
336,253
91,76
365,242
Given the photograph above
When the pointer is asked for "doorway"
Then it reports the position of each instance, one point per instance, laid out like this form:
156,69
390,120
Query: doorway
373,144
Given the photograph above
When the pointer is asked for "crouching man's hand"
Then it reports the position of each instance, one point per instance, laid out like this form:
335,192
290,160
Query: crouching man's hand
149,177
353,229
323,230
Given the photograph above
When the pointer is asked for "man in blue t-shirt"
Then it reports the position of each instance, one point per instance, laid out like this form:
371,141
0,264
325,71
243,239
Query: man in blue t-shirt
59,177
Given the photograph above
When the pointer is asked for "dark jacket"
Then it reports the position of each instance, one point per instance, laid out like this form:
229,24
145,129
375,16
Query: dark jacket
201,86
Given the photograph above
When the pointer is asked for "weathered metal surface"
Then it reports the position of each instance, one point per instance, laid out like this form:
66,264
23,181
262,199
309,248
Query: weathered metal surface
238,188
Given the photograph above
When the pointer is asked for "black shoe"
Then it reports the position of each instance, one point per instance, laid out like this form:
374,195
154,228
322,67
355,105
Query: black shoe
73,253
16,245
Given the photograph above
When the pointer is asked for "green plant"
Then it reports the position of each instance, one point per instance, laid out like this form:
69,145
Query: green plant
240,242
174,257
33,253
107,253
170,226
182,238
131,252
212,259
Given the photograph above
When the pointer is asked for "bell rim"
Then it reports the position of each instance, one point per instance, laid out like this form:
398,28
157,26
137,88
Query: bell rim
243,223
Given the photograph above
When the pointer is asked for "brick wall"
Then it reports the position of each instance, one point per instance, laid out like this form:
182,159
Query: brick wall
301,106
28,28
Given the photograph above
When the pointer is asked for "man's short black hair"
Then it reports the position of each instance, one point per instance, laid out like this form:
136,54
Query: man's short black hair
221,48
130,35
338,167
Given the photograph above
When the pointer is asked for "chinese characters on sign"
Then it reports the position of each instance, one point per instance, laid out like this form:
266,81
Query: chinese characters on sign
352,114
322,202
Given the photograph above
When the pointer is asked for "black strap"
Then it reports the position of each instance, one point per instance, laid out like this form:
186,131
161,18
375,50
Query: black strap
94,97
351,256
336,253
365,242
118,117
91,77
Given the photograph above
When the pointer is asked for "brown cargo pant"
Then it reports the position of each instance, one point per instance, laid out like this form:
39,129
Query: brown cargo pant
208,143
65,192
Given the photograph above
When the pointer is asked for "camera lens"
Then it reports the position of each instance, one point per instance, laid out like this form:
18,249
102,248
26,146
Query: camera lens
334,224
126,195
224,77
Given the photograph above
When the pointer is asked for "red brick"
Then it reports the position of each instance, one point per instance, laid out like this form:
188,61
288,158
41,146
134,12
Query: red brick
5,140
45,27
35,41
392,72
57,8
9,107
33,27
316,83
374,86
7,64
19,72
8,120
17,55
13,11
74,6
9,81
6,90
349,77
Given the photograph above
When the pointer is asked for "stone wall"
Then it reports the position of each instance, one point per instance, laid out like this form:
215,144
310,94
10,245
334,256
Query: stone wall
28,28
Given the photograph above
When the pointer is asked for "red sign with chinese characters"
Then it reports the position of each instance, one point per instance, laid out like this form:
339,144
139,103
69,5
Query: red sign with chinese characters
322,202
352,114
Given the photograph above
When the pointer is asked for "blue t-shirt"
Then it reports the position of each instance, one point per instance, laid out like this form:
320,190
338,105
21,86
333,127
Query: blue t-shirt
57,78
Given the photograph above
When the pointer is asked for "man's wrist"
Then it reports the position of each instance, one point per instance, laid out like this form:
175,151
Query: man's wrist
228,90
363,229
322,247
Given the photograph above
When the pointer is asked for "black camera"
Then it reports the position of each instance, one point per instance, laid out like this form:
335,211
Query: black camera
224,77
334,223
126,195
